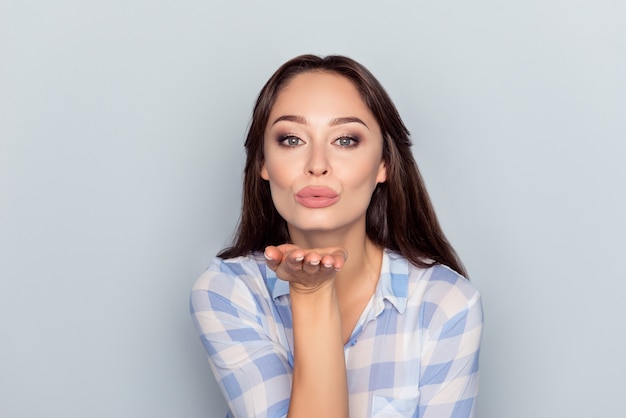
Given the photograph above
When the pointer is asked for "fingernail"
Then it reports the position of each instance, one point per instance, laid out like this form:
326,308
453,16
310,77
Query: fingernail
328,265
267,257
299,258
314,263
337,269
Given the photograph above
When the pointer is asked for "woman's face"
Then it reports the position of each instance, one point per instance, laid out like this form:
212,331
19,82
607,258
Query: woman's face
323,154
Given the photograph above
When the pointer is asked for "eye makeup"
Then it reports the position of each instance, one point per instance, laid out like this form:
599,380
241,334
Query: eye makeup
343,141
347,141
288,140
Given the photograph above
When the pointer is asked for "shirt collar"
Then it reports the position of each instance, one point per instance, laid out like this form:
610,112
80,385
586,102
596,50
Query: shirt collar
393,284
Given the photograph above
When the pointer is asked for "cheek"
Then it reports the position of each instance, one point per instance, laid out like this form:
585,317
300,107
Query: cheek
276,173
367,174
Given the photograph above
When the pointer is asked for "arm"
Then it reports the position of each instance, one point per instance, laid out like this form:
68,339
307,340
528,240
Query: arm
249,361
251,367
319,387
449,371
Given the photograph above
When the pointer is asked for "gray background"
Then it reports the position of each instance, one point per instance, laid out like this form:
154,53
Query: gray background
121,130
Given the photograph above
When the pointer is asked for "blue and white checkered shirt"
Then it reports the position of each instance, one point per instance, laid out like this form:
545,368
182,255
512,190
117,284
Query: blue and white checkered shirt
413,353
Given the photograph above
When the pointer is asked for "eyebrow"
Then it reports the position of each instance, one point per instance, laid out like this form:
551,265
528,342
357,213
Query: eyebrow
334,122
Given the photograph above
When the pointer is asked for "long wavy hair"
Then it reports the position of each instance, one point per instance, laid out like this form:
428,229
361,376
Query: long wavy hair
400,216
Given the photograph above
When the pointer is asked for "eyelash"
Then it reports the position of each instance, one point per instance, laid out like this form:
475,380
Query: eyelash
284,140
354,141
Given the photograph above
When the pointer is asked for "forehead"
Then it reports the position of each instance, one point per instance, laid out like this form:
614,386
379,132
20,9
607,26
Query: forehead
320,91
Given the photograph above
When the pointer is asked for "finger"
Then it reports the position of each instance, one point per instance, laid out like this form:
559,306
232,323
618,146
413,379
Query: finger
339,252
292,261
287,248
328,262
337,259
311,263
273,257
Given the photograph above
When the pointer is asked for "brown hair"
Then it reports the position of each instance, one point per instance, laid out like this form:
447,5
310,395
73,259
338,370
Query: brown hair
400,215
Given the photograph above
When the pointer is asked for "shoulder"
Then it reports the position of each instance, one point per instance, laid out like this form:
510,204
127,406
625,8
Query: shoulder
440,293
231,268
440,283
235,281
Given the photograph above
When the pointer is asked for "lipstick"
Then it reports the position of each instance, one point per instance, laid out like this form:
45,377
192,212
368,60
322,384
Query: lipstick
317,197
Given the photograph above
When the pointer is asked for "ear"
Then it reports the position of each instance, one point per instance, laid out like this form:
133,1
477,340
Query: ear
264,174
381,177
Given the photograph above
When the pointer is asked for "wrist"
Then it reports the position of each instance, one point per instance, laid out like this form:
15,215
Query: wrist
325,288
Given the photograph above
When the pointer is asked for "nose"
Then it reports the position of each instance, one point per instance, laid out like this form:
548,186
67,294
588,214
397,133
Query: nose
317,164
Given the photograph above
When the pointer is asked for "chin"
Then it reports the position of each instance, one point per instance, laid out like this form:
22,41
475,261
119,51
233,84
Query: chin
328,226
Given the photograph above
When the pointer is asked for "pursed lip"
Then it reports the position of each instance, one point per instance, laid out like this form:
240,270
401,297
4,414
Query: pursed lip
316,196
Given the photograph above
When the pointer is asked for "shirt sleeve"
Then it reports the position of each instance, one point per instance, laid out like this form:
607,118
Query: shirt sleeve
452,332
251,367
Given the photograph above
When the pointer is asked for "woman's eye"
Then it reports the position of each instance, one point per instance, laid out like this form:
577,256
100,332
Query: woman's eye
290,141
346,141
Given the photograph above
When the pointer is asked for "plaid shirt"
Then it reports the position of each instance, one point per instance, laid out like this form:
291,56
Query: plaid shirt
413,353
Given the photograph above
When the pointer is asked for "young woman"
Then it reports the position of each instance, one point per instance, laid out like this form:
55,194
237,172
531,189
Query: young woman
340,296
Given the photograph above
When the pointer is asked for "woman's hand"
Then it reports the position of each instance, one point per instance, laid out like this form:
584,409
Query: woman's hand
305,269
